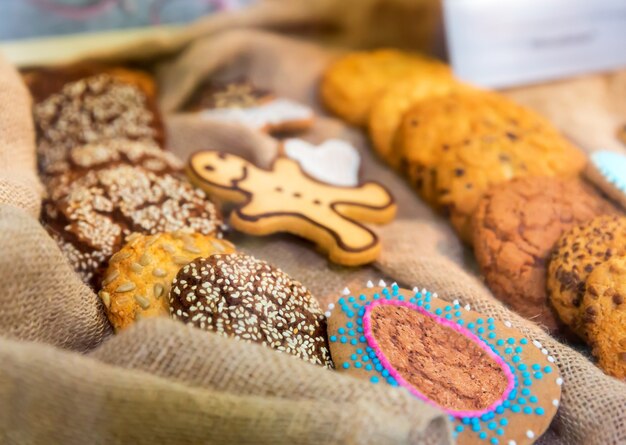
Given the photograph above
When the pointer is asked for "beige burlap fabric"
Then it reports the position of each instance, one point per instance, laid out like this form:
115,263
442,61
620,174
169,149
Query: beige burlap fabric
65,379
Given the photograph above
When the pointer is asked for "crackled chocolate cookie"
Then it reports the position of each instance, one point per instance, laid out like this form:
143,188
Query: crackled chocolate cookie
603,312
240,296
516,227
138,279
90,216
496,384
579,251
90,110
351,84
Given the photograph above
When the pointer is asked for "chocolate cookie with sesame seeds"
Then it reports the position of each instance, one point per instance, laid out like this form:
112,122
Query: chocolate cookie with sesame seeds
91,215
89,110
603,312
238,295
137,281
577,253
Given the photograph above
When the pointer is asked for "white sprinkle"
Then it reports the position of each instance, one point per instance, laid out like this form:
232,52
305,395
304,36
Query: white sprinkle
424,291
381,283
512,442
345,291
536,343
416,289
544,351
435,295
331,306
555,402
530,434
455,302
327,313
551,359
468,307
394,284
508,324
370,284
559,381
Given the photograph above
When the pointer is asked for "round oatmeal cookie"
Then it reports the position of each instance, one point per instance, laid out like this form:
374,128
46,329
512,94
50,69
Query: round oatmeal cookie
441,124
90,216
351,84
516,227
240,296
603,312
387,111
138,279
579,251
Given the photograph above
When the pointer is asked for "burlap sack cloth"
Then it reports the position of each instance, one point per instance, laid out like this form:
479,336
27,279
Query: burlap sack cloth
65,379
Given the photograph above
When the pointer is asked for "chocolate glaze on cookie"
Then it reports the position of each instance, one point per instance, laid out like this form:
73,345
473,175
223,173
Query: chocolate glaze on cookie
238,295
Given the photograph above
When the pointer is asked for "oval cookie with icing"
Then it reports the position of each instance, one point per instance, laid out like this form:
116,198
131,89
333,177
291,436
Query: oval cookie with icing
498,386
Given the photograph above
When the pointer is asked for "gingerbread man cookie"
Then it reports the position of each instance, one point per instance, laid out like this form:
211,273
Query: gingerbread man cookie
285,199
498,386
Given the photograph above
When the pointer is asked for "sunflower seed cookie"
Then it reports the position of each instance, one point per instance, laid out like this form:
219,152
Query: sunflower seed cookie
138,279
576,255
603,310
351,84
516,227
240,296
496,385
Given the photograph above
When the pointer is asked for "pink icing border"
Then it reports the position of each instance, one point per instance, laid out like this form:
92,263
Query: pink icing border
371,340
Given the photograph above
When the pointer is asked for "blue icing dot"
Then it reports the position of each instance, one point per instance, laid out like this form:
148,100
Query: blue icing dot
438,311
341,330
479,321
470,325
368,367
354,342
504,422
391,381
515,409
518,349
457,314
427,307
346,365
420,303
459,428
351,332
527,382
536,367
538,375
539,411
376,361
508,351
372,355
333,338
500,342
343,339
349,325
525,392
476,427
492,425
460,322
361,312
521,400
499,431
494,441
350,314
362,339
359,322
491,327
385,373
533,399
359,330
379,367
510,341
506,404
376,296
362,297
516,358
483,435
522,367
465,420
448,316
547,370
385,291
525,374
523,341
357,364
490,320
365,358
500,409
353,357
481,330
448,308
374,379
492,335
528,410
360,351
351,300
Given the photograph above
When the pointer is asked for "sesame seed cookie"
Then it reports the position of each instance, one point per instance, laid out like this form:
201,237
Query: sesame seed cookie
91,215
351,84
576,255
240,296
387,111
496,385
603,312
516,227
138,279
93,109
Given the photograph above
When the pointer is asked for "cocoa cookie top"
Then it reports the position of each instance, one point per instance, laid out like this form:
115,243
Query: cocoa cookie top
516,227
90,110
577,254
497,385
238,295
95,212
